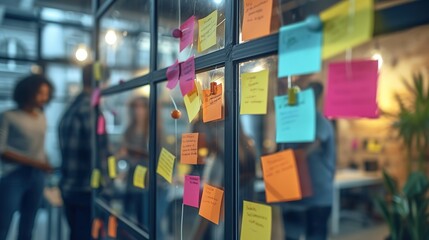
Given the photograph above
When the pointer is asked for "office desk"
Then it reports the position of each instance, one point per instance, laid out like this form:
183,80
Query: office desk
346,179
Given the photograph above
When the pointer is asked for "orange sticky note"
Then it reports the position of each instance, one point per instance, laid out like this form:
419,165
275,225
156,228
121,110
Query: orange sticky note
189,150
212,104
112,227
281,177
211,203
256,19
96,227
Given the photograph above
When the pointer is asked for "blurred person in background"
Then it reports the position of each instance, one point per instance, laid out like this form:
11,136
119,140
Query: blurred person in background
23,160
74,132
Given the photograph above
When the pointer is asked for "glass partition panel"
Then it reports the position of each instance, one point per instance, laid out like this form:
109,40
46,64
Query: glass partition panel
127,127
205,168
172,14
125,39
18,39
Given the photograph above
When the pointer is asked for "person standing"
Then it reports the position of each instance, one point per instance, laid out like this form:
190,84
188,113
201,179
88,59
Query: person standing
22,153
312,213
74,132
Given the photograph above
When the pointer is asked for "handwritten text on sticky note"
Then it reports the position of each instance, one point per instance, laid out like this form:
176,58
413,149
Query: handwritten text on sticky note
254,92
297,123
352,89
187,29
278,169
256,221
211,203
187,76
191,195
207,31
166,165
192,103
189,149
300,50
256,19
212,104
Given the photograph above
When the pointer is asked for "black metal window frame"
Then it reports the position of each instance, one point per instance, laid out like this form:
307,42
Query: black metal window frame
386,20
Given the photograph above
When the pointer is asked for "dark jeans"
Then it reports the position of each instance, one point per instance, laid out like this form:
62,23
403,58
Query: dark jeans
21,190
77,207
313,221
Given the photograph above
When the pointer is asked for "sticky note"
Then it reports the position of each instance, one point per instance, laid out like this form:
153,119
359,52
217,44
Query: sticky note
207,31
139,176
300,50
211,203
101,125
96,71
193,104
296,123
345,25
95,178
187,76
256,18
256,221
189,148
279,169
212,104
166,165
173,73
111,164
95,97
254,92
97,224
352,89
112,227
187,29
191,195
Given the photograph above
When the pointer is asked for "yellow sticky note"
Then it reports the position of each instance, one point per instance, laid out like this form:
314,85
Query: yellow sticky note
345,25
207,31
97,71
95,178
256,221
166,165
254,92
111,164
192,104
139,176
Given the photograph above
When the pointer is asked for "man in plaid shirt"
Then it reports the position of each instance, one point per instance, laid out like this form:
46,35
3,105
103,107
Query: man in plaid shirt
75,129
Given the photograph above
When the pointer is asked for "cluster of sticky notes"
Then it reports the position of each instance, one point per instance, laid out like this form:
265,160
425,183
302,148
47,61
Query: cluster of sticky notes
352,89
256,221
191,194
256,18
112,227
296,123
97,225
111,166
254,92
139,177
182,73
166,165
189,148
211,203
101,125
280,168
95,178
213,103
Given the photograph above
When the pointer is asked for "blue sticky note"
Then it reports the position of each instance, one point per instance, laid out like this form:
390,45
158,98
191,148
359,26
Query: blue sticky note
297,123
300,50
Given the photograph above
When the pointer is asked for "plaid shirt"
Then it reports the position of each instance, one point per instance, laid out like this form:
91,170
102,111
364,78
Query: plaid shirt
75,142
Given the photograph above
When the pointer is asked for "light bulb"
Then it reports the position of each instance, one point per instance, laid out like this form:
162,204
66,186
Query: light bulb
110,37
81,54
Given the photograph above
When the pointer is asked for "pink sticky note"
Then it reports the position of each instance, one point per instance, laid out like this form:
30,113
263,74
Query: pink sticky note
191,196
187,29
173,73
95,98
101,125
352,89
187,76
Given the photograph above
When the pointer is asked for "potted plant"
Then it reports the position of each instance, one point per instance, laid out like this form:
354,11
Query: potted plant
406,210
